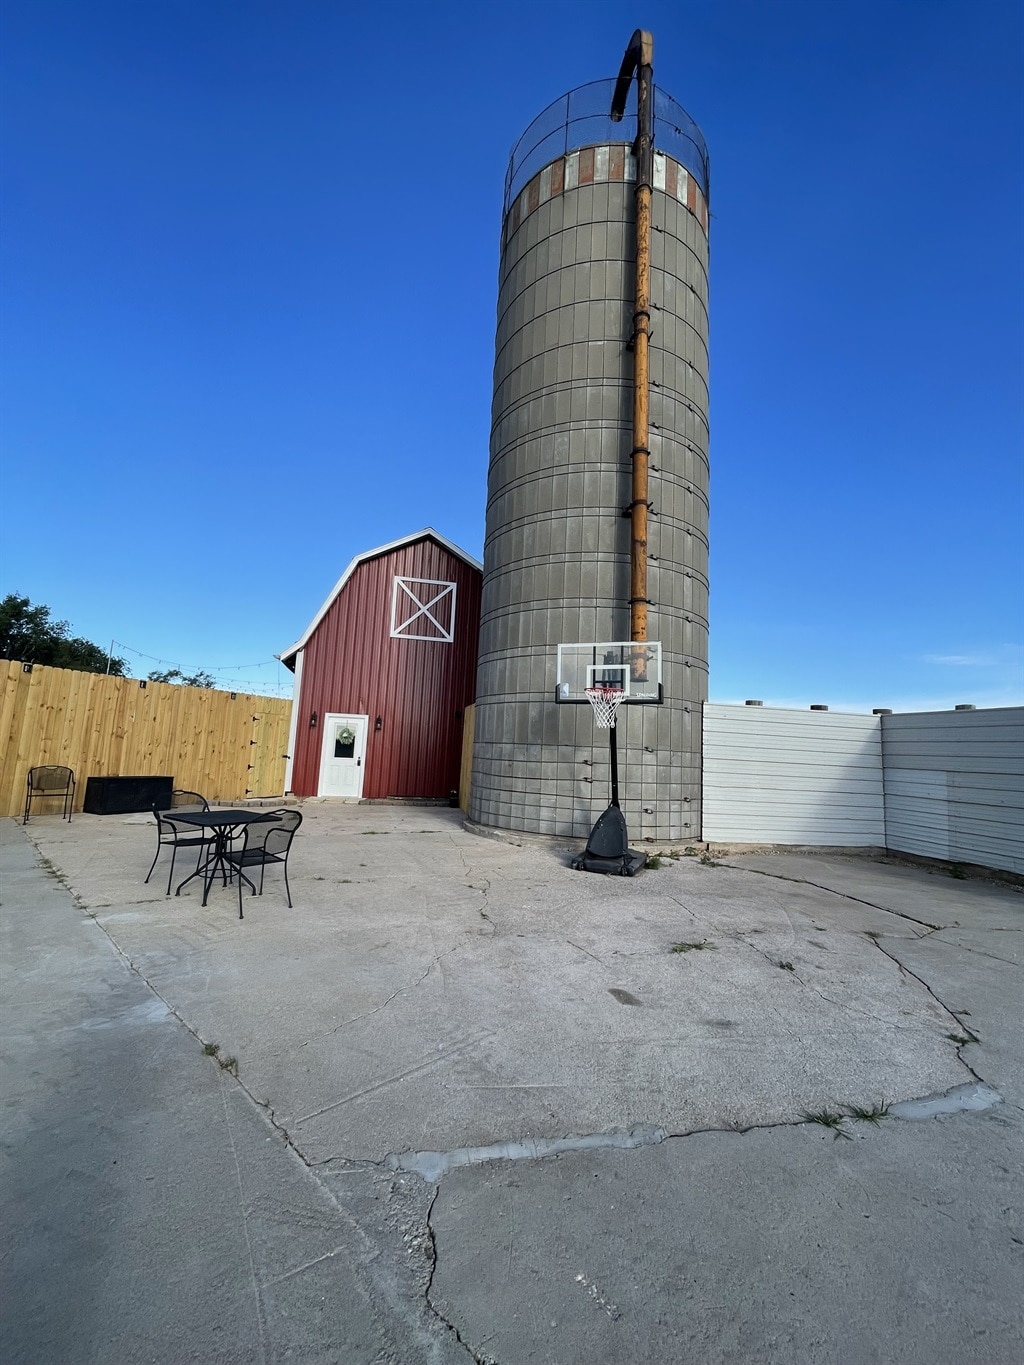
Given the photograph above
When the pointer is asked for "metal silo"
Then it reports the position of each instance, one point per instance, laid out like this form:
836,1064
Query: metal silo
561,484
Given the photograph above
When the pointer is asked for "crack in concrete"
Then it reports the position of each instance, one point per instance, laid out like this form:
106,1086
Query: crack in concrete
436,1060
446,1323
963,947
845,895
941,1004
402,990
579,949
433,1166
837,1004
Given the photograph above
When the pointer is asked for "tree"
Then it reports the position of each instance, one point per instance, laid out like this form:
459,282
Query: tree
175,675
28,634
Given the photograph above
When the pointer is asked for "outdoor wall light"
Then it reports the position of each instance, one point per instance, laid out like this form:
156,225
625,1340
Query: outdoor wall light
378,724
312,720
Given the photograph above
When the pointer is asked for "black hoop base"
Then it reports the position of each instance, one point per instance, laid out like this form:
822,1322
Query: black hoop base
608,848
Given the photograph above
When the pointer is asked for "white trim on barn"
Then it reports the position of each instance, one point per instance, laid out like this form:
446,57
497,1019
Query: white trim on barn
287,654
293,724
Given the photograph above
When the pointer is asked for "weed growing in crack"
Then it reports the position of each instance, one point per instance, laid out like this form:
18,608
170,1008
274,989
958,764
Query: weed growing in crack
653,863
873,1115
689,851
961,1038
225,1063
786,966
704,946
707,861
957,872
828,1118
876,934
52,870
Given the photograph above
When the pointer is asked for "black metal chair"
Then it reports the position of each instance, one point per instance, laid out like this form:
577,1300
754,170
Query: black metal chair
50,782
266,842
177,835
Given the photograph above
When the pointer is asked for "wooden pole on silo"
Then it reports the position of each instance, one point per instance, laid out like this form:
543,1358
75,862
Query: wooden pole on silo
638,60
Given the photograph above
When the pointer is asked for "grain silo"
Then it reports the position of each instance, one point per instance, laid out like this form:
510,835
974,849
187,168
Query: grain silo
565,523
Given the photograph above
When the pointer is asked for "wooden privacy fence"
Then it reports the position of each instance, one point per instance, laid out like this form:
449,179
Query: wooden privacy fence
227,745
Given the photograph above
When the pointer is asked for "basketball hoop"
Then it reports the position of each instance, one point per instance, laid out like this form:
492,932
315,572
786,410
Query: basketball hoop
605,701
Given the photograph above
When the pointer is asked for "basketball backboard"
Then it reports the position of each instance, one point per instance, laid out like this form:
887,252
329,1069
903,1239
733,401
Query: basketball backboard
633,665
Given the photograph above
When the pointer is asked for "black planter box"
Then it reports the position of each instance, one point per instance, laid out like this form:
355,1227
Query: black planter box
121,795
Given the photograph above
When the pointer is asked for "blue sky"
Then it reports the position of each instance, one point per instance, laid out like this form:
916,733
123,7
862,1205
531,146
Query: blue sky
249,279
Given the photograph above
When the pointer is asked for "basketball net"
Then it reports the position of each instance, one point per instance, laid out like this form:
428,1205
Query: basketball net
605,701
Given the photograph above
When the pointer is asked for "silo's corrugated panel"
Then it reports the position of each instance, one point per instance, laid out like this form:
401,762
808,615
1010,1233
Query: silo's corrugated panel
420,688
557,548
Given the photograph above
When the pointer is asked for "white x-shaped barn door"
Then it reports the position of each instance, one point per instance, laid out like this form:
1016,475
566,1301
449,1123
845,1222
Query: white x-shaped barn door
423,609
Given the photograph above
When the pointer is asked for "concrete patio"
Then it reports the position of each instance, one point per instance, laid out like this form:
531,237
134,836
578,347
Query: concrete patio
344,1179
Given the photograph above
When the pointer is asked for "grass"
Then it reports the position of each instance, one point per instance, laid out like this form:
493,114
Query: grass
873,1115
704,946
833,1119
52,870
653,863
960,1038
828,1118
225,1063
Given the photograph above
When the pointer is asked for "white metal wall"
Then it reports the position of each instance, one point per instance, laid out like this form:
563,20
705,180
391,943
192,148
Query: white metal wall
792,777
954,785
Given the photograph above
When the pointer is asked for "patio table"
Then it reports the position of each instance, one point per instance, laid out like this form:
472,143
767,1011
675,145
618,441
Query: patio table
224,822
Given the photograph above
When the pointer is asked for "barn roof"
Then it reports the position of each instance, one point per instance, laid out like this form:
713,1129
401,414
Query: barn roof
287,656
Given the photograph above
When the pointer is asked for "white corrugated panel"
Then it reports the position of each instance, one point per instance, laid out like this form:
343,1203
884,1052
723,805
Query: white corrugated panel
792,777
954,785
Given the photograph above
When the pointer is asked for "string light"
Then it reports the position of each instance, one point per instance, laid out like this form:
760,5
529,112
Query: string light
250,685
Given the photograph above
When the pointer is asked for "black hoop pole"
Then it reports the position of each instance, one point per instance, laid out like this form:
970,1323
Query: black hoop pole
613,757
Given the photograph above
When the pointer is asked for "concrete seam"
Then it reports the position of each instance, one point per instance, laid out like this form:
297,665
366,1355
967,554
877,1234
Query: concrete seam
261,1317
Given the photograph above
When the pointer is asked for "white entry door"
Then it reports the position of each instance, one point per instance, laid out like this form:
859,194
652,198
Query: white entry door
343,756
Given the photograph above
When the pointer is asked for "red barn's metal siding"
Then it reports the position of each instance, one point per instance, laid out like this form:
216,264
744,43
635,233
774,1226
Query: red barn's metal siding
419,688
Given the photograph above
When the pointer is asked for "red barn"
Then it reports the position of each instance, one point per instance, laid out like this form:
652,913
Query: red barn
384,672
